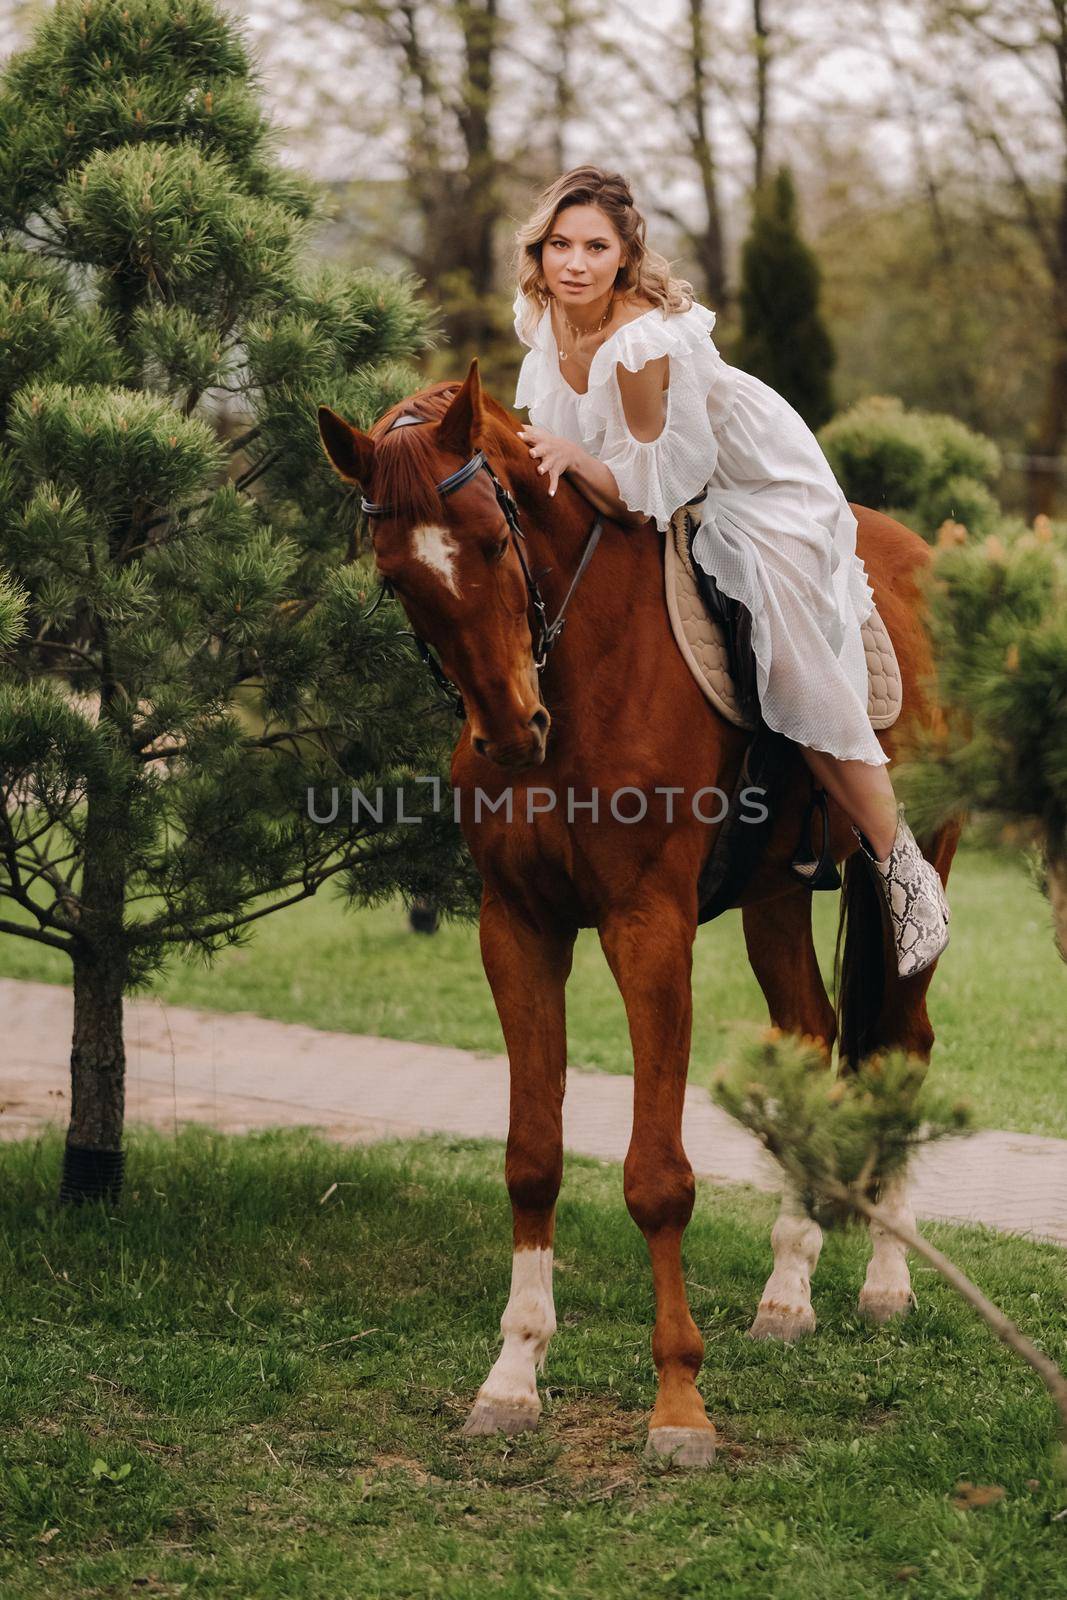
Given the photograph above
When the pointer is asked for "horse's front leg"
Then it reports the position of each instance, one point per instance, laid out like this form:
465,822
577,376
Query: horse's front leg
649,948
781,949
527,971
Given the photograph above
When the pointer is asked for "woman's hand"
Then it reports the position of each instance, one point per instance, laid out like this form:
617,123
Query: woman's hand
554,455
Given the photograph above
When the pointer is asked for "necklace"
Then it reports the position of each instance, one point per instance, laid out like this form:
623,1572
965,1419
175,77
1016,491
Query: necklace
580,333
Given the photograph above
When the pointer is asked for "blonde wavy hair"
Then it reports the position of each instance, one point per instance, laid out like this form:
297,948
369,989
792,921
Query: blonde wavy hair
642,271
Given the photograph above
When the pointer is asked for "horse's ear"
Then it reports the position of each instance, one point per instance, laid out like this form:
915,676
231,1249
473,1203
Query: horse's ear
351,453
460,429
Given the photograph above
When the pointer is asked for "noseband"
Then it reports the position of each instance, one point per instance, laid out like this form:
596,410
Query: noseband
545,633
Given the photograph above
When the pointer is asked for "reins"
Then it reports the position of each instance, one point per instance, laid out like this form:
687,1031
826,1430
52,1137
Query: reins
545,633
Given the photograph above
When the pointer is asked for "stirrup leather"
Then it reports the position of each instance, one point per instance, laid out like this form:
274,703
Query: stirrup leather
817,871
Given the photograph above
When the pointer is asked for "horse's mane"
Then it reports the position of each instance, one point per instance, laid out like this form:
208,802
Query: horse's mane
405,459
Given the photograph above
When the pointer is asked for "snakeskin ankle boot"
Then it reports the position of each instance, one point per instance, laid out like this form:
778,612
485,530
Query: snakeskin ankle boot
915,897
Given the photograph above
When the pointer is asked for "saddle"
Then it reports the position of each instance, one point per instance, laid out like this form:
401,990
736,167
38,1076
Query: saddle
714,633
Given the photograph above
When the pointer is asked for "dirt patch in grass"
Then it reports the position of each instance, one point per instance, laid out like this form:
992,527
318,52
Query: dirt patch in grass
600,1444
601,1449
387,1463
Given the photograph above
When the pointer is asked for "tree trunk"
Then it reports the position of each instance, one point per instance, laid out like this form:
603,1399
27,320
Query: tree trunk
564,30
471,327
93,1159
1043,475
1057,894
1043,478
709,241
759,132
423,915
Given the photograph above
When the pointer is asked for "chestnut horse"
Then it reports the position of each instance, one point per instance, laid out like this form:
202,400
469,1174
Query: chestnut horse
614,707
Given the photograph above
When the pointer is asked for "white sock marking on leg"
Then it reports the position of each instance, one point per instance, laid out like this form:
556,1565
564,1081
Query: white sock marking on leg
528,1322
796,1242
887,1275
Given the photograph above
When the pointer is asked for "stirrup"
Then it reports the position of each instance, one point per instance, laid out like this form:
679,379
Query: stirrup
817,871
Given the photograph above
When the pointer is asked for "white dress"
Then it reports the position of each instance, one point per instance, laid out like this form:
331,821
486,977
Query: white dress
775,530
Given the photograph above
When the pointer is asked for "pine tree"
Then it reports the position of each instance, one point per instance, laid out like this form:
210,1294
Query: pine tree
196,654
783,339
12,610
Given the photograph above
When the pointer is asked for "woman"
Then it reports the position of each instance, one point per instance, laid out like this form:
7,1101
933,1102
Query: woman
629,397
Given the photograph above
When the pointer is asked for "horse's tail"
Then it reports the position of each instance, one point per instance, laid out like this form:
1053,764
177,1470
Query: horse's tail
860,971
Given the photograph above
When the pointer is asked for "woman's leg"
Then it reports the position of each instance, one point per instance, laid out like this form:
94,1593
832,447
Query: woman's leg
912,886
861,789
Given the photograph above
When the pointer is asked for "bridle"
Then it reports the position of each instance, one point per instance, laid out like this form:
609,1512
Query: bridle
545,633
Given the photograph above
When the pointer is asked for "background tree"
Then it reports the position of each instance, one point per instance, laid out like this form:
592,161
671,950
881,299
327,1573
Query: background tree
783,339
712,67
964,341
762,52
704,232
1002,68
437,85
564,20
196,654
999,614
12,611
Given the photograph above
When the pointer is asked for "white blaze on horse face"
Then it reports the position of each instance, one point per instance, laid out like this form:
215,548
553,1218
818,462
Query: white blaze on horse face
436,548
528,1322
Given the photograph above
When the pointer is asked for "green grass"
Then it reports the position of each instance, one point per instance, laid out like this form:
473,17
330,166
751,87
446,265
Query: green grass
997,1001
234,1387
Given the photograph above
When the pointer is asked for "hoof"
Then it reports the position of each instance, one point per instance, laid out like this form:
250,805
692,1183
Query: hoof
681,1447
882,1306
497,1416
785,1323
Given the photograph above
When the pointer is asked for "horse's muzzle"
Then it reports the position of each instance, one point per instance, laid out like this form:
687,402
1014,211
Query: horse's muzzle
515,754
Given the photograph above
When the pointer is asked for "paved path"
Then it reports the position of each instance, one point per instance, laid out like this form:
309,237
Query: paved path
238,1071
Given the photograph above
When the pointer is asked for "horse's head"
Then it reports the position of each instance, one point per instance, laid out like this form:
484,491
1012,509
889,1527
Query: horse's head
450,558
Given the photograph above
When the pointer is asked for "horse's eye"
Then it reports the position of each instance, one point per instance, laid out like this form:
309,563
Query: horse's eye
501,550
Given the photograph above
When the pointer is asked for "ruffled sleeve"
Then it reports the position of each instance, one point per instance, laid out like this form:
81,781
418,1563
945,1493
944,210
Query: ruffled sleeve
525,320
541,387
656,476
535,378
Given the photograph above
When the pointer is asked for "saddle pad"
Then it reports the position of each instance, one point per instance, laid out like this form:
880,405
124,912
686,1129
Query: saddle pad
702,643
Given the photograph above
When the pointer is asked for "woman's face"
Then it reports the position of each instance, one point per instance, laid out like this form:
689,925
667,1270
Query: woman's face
581,255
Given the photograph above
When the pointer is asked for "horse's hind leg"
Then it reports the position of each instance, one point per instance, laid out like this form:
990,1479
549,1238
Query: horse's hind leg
895,1018
905,1025
887,1291
527,971
782,952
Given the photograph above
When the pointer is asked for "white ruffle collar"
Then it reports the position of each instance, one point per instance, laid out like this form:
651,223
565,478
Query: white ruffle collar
544,391
651,333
